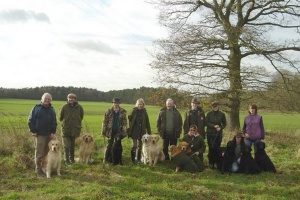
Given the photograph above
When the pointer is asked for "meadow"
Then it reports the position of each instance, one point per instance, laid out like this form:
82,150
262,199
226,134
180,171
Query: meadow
98,181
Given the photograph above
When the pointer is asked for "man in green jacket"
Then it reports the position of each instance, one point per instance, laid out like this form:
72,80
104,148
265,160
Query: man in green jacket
169,125
71,116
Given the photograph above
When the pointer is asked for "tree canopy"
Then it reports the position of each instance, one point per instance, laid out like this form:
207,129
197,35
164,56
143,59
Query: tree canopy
227,46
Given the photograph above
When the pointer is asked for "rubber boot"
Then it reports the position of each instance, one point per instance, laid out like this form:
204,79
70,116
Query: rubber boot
139,156
67,156
133,152
72,150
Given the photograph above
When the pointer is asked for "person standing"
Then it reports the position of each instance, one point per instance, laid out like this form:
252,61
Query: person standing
169,125
215,122
253,128
42,125
114,127
195,116
71,116
138,126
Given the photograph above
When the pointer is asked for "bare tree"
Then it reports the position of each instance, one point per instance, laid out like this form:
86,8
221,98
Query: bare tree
227,46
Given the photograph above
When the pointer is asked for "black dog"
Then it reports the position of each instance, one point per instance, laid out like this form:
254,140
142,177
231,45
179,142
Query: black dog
247,164
262,159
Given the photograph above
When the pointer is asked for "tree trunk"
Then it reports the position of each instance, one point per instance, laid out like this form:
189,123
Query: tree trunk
235,89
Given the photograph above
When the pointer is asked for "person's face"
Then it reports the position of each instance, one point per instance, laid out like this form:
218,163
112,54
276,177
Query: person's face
194,105
252,111
116,105
238,139
140,106
71,99
46,101
169,104
215,108
192,131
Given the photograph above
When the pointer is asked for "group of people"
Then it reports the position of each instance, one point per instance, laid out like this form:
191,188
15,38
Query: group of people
196,126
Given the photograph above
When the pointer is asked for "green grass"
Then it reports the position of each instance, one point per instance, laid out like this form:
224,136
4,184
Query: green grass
98,181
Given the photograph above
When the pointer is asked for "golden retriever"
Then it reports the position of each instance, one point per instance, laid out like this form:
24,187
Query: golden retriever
52,161
155,150
86,148
146,139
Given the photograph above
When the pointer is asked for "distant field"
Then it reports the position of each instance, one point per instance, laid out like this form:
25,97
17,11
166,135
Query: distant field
98,181
15,112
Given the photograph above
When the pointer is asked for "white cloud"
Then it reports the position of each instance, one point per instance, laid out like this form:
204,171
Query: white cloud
97,44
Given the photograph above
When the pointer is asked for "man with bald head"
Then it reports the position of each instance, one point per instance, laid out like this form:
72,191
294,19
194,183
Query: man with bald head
169,125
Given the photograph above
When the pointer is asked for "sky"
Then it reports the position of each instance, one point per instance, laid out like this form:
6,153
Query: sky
101,44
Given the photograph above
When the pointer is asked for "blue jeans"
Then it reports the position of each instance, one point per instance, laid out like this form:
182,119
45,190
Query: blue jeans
249,142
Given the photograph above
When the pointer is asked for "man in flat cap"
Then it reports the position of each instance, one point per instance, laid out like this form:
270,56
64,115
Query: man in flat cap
71,116
114,127
195,116
215,122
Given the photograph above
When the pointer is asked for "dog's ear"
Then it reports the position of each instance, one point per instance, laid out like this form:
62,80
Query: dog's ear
92,139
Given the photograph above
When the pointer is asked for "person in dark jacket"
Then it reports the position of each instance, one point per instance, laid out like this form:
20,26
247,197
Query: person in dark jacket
114,127
196,142
42,125
138,126
71,116
253,128
215,122
195,116
169,126
236,157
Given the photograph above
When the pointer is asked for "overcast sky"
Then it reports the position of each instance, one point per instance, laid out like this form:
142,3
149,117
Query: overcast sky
100,44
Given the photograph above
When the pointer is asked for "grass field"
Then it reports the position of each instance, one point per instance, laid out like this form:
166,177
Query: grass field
98,181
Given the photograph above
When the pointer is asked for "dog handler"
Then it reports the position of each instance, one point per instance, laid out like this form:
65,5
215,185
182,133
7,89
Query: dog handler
138,126
42,125
114,127
71,116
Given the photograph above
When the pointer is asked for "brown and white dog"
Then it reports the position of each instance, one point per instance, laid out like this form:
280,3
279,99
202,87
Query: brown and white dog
185,147
155,150
52,161
86,148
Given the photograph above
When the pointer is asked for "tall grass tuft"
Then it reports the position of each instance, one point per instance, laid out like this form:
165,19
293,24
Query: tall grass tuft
19,144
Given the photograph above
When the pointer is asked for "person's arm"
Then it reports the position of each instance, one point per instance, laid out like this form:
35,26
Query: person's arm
81,113
158,124
208,123
61,114
224,123
31,120
262,128
179,131
147,123
104,123
54,122
186,125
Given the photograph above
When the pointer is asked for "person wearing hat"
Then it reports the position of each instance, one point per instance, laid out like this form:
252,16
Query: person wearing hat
114,128
215,122
71,116
169,126
138,126
195,116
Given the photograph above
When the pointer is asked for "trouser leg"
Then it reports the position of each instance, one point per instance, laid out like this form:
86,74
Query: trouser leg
133,150
67,147
41,150
72,149
108,151
166,143
139,150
